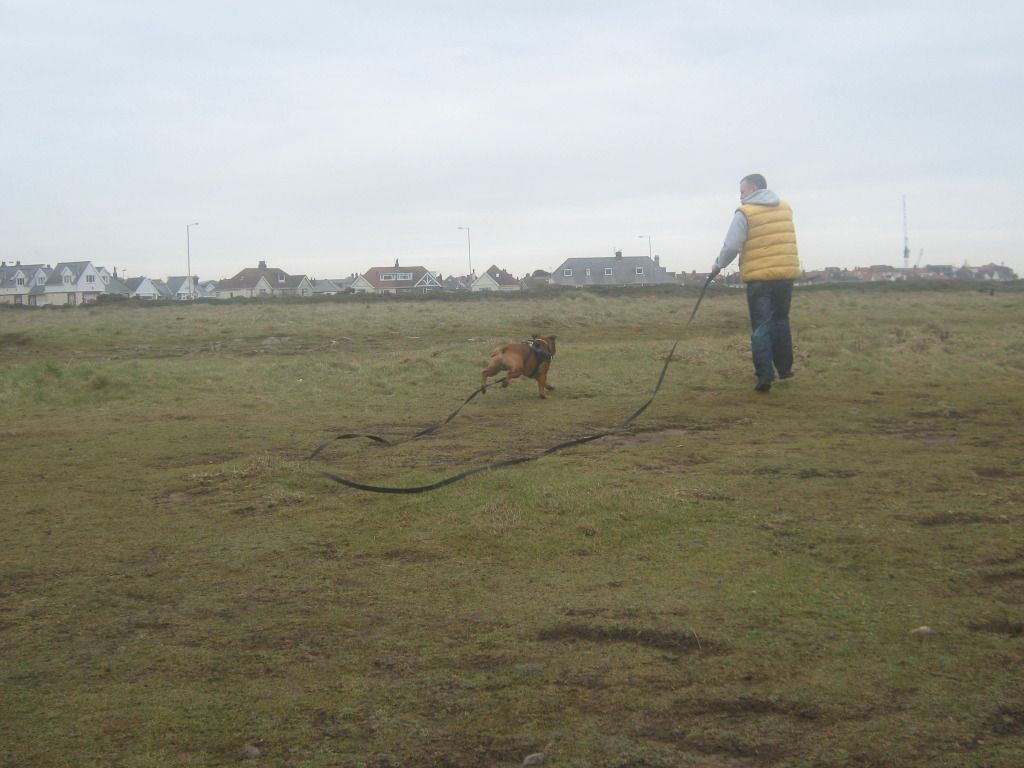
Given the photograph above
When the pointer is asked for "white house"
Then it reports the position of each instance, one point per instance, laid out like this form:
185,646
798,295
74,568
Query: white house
263,281
142,288
18,281
71,283
183,288
495,279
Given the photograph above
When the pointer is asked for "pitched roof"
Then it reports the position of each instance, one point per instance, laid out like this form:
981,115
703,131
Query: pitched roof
379,278
249,278
500,276
324,286
8,272
116,286
162,289
56,277
133,283
623,269
178,284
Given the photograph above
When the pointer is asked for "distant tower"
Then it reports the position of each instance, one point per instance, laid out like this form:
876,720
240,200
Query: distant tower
906,241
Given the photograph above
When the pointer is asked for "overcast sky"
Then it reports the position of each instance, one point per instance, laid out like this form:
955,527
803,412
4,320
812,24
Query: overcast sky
329,137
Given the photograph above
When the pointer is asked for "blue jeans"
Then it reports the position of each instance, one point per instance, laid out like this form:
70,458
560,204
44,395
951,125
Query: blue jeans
771,345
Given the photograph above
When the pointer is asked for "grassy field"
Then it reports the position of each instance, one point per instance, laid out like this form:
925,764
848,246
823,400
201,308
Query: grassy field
733,581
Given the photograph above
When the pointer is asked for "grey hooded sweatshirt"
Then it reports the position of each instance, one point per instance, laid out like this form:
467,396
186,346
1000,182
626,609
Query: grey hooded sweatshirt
736,237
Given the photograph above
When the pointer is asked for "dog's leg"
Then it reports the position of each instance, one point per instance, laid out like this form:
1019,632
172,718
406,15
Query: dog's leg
492,369
514,373
542,383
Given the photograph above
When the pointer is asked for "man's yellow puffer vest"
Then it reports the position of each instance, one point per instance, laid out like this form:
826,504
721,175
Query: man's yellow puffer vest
770,251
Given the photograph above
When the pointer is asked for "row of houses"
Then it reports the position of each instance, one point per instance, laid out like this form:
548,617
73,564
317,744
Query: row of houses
884,273
81,282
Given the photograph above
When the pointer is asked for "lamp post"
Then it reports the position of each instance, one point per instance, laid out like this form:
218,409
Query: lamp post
469,249
650,249
188,254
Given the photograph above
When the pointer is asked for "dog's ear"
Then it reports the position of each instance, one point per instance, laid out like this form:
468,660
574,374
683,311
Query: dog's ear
534,336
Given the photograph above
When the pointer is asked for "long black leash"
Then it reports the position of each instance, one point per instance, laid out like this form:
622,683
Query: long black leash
506,462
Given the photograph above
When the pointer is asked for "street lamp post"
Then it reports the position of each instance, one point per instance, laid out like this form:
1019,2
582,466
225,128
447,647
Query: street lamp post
650,249
188,254
469,249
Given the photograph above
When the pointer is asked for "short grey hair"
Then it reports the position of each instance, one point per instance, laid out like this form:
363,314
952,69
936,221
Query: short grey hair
756,179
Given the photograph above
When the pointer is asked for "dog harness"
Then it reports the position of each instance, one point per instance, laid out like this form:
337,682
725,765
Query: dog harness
540,352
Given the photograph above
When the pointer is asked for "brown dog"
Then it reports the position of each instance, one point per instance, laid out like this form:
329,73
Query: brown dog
530,358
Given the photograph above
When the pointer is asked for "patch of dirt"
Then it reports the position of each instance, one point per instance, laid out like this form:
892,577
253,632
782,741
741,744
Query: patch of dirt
958,518
646,438
13,339
412,555
743,754
995,473
1000,627
1007,721
700,494
685,641
808,473
839,473
748,705
619,613
1004,577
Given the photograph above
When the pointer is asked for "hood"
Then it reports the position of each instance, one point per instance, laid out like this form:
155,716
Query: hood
762,197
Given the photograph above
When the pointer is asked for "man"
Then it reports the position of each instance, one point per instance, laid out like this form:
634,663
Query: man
762,231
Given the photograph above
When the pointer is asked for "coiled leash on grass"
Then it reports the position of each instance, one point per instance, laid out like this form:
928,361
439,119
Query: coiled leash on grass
498,464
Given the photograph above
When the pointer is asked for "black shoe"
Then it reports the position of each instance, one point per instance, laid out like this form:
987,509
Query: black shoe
788,375
763,385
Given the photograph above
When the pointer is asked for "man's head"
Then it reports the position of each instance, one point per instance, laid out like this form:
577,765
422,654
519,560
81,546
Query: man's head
751,184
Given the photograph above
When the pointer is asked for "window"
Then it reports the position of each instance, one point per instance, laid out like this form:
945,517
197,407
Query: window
387,276
566,273
608,271
67,279
639,270
41,280
17,298
588,271
20,281
403,276
90,278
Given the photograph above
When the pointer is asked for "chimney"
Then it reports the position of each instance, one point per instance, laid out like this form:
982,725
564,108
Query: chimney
17,263
396,263
618,254
263,265
657,260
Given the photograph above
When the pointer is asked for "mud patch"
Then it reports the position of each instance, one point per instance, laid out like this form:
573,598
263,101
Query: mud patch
1007,721
958,518
646,438
739,752
999,627
842,474
685,641
13,339
412,555
1004,577
996,473
748,705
